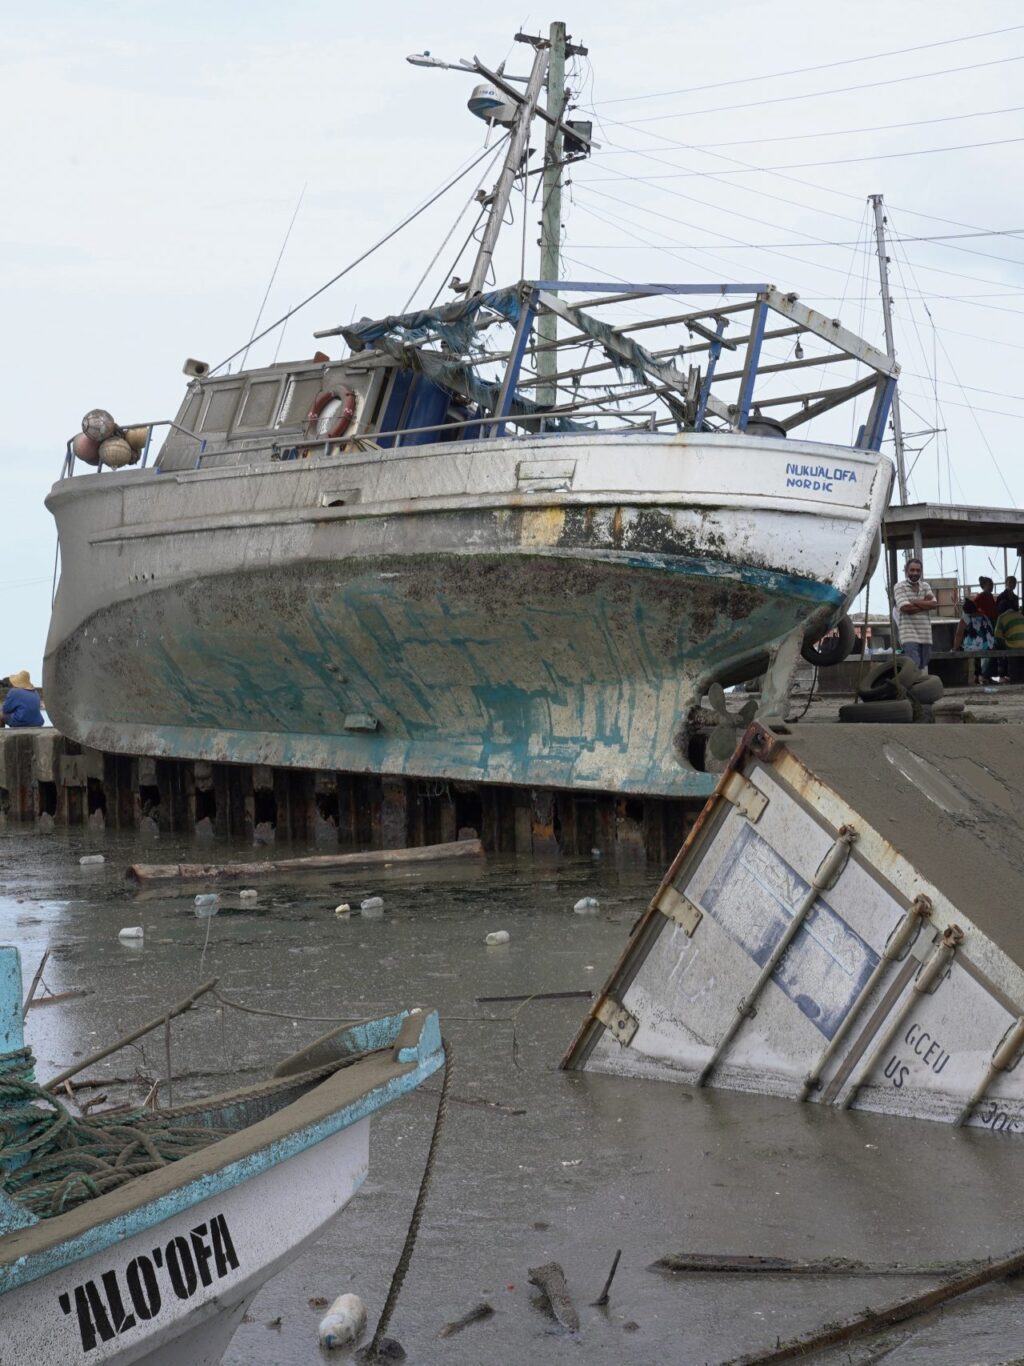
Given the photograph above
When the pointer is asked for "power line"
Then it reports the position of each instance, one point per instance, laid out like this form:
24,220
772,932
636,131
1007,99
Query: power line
837,161
803,70
817,94
833,133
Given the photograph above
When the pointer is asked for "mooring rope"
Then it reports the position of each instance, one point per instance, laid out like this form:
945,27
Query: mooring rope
52,1160
370,1353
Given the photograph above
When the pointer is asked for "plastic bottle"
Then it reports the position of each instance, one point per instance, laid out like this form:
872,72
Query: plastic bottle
207,904
586,905
131,932
92,858
498,937
343,1323
248,894
371,904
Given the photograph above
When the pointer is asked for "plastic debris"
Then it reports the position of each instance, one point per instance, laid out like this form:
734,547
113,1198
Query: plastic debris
595,853
207,904
248,894
372,903
498,937
343,1323
586,904
92,858
131,932
343,911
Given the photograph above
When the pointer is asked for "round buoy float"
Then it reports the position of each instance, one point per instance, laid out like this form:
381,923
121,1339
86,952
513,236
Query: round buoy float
85,448
116,452
98,424
137,438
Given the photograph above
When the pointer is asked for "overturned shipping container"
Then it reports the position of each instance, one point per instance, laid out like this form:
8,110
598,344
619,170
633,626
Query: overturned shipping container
845,925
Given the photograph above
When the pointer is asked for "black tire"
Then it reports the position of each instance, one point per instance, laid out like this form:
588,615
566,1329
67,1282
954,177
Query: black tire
927,691
831,649
891,713
883,682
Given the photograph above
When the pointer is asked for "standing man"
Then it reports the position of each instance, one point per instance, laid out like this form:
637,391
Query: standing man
915,602
984,600
1008,601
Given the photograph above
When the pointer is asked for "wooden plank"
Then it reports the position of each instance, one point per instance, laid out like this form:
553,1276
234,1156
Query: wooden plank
156,872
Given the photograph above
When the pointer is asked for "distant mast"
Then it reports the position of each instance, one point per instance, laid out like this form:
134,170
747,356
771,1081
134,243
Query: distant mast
883,273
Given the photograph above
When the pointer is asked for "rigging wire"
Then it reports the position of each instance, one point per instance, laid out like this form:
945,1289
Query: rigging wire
803,70
359,259
828,133
835,161
835,90
451,231
273,273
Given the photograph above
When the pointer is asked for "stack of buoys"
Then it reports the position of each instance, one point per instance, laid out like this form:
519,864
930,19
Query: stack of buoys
102,442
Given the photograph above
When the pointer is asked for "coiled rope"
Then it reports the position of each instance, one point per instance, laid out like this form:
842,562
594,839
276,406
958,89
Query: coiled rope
52,1160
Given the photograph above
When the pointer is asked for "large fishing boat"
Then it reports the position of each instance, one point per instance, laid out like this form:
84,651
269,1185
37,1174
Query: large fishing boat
500,540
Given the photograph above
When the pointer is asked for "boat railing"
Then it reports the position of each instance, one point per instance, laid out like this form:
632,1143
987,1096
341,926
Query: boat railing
70,459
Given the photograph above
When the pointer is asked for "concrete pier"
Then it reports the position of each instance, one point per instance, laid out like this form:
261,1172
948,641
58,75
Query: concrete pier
45,777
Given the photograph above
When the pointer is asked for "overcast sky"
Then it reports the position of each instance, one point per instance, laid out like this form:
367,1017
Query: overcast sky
153,156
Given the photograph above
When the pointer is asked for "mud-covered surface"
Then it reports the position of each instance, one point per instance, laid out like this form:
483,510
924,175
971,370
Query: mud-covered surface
535,1165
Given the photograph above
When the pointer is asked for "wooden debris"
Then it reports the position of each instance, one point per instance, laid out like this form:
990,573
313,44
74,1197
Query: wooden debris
377,858
876,1320
550,1278
602,1299
55,998
477,1314
35,982
703,1263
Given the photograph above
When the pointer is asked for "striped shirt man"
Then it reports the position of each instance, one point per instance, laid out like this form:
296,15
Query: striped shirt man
914,603
1010,631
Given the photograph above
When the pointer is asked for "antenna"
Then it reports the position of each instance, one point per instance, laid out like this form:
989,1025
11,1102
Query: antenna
883,272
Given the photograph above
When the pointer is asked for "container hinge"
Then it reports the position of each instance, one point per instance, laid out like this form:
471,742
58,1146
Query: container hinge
617,1020
748,800
679,908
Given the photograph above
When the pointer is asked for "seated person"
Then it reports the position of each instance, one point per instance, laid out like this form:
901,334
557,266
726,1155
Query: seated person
1009,636
21,706
974,629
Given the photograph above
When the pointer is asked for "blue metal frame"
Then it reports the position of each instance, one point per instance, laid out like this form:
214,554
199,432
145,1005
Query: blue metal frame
611,287
746,394
872,434
515,361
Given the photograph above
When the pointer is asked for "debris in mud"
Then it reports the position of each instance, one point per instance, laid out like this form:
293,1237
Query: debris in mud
477,1314
602,1299
550,1279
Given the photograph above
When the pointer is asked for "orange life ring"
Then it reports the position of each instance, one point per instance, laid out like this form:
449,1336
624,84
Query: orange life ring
345,416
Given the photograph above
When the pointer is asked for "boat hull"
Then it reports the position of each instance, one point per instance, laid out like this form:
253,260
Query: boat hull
526,624
174,1293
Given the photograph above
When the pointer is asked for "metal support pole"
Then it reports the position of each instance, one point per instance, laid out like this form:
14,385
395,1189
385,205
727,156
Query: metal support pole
513,163
714,351
551,213
826,876
1005,1055
895,949
757,324
883,272
929,977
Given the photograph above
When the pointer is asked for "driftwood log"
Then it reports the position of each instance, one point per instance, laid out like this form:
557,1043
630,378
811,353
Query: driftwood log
370,858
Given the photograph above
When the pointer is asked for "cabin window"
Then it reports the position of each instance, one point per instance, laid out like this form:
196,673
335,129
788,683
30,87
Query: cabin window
298,399
190,416
258,404
221,409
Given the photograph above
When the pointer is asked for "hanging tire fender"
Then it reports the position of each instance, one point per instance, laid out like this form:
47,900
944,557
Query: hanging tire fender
831,649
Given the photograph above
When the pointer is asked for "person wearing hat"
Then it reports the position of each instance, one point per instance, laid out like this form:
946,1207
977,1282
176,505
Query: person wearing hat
21,705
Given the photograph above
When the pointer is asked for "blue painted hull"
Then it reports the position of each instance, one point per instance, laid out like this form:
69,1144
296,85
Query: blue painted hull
574,666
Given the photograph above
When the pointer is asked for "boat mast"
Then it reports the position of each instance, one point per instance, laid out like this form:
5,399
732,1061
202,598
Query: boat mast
546,359
883,273
509,171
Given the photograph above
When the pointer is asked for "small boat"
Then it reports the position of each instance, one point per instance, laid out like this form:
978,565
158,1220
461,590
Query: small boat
162,1267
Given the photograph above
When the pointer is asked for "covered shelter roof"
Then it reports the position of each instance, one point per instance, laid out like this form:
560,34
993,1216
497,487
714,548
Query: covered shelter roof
951,524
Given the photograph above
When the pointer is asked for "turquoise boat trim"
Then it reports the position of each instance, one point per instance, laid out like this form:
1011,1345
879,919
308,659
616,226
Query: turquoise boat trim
94,1240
